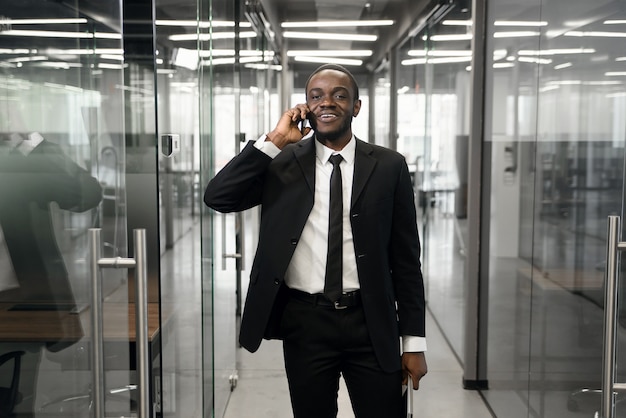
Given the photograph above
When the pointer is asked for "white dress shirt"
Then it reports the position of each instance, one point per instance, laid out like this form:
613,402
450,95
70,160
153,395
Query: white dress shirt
307,268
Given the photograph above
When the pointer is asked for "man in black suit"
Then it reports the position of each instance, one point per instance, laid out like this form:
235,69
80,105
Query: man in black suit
356,331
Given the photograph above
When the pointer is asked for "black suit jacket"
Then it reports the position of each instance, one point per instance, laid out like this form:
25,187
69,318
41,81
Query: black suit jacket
383,219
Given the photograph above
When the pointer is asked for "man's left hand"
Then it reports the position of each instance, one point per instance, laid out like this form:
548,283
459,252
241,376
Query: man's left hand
414,365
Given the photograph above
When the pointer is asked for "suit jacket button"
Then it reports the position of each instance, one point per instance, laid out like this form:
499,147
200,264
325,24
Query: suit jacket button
294,241
276,281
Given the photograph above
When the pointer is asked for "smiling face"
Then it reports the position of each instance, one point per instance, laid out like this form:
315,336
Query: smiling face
331,99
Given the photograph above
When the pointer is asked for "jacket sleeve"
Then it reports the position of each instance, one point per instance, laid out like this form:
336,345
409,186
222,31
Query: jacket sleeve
239,185
405,259
47,175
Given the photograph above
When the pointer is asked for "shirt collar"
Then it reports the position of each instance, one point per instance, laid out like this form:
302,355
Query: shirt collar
324,153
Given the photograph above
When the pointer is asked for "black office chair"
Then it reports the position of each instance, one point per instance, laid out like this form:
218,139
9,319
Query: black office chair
10,396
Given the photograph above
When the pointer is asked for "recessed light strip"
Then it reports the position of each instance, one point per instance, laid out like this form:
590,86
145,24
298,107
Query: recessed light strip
329,36
336,23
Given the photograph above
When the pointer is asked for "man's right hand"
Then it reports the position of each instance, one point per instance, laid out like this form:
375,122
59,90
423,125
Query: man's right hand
287,130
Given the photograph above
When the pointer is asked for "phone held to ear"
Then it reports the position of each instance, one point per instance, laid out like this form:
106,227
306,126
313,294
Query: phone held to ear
304,124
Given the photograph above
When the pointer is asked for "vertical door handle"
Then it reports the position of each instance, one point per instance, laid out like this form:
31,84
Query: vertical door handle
609,386
238,254
141,319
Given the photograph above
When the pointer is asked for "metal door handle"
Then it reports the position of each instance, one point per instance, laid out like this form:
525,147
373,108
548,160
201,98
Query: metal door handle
139,263
609,386
236,255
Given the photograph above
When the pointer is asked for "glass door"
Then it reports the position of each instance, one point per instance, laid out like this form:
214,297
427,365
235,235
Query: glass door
556,131
63,158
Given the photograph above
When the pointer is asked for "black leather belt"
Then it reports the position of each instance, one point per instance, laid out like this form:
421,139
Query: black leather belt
347,300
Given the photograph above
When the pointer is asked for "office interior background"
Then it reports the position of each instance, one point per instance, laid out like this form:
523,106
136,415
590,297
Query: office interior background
511,116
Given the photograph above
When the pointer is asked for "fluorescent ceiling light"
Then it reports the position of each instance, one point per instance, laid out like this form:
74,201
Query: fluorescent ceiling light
564,51
413,61
615,73
439,53
336,23
17,51
218,61
330,36
331,53
43,21
451,37
104,65
97,51
264,67
595,34
535,60
210,36
503,65
515,34
59,34
27,59
549,88
202,24
441,60
46,34
620,94
564,65
403,89
615,22
453,22
59,65
328,60
520,23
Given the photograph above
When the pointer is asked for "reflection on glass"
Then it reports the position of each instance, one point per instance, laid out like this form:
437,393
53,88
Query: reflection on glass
433,82
61,150
556,131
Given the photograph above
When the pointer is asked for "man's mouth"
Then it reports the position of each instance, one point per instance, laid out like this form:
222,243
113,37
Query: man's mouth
327,117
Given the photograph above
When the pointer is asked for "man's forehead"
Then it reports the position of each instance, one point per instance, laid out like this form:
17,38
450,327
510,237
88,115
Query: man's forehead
340,80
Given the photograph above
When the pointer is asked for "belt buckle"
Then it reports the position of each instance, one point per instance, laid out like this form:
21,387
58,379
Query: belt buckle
338,306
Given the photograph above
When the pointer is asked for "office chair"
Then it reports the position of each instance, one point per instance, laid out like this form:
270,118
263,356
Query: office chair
10,396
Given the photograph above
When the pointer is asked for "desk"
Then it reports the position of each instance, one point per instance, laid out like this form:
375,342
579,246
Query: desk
45,326
67,328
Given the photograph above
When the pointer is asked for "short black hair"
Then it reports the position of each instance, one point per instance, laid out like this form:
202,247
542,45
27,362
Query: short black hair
339,68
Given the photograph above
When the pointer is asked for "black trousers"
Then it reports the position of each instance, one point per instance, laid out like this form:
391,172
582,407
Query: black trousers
320,344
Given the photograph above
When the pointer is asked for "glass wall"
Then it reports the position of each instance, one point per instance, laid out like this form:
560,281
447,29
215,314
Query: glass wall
554,136
62,166
433,81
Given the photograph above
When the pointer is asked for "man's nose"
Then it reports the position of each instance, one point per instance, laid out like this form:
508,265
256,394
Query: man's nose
327,101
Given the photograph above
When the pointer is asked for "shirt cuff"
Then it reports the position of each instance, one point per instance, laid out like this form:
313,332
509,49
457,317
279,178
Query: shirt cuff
267,147
413,344
29,144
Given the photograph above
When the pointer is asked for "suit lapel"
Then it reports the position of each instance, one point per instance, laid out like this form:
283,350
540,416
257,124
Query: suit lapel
305,155
364,164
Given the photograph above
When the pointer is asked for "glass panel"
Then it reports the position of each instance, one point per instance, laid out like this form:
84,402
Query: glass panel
179,134
555,124
223,114
382,91
62,170
433,79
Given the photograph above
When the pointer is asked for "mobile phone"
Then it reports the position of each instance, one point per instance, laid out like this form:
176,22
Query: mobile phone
304,123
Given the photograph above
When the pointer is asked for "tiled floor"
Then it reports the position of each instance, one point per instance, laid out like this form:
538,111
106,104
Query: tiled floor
262,388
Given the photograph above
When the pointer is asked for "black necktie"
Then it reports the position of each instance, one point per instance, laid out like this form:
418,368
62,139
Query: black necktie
333,284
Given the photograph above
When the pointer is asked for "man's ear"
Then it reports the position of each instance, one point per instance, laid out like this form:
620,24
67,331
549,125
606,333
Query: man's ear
356,108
